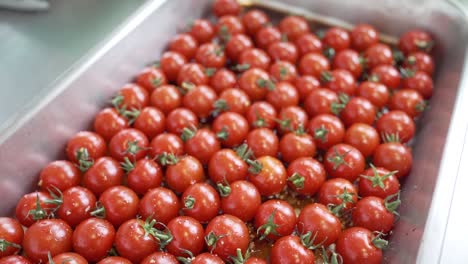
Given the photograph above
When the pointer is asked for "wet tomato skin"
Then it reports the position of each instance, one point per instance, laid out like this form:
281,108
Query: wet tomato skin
187,171
93,238
120,204
370,212
396,123
171,62
187,235
312,173
151,78
202,30
160,257
77,205
226,7
317,219
289,249
92,142
293,27
363,137
201,201
105,173
243,200
128,143
68,257
166,98
377,93
271,179
166,143
15,259
394,156
415,40
355,246
161,204
145,175
254,20
25,207
115,260
109,122
151,121
280,213
337,38
184,44
378,182
60,174
364,36
266,36
319,101
225,166
344,161
11,231
263,142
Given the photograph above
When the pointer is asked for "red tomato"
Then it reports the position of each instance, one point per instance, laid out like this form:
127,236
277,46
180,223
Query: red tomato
207,258
119,204
263,142
166,143
295,145
211,55
293,27
285,51
33,207
114,260
151,78
109,122
364,36
180,118
284,94
200,100
15,259
60,174
232,128
378,54
187,235
128,143
241,199
131,96
255,58
378,182
358,110
151,121
317,220
184,44
363,137
307,43
85,147
266,36
394,156
226,7
261,114
306,175
144,175
236,45
339,81
11,236
305,84
228,26
93,238
314,64
77,205
327,130
375,92
419,61
201,144
409,101
421,82
202,30
160,204
201,201
166,98
192,73
291,118
283,71
415,40
223,79
350,60
397,124
337,39
375,214
275,219
171,62
255,82
344,161
225,234
105,173
254,20
227,166
268,175
357,245
388,75
49,236
233,100
184,172
289,250
69,257
338,192
161,258
319,101
254,260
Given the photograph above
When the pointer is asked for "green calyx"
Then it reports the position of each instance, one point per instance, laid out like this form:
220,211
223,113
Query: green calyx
4,245
219,106
345,197
189,202
188,133
321,134
377,179
297,180
163,237
167,159
84,161
244,152
392,202
326,76
338,159
265,83
268,228
223,134
133,148
127,165
224,190
255,166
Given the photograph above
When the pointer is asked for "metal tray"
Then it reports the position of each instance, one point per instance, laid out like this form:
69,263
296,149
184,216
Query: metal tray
431,226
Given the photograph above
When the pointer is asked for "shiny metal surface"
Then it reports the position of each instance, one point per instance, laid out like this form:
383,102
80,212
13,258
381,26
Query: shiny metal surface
431,220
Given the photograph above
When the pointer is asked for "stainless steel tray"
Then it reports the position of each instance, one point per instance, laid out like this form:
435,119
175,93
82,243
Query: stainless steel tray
431,227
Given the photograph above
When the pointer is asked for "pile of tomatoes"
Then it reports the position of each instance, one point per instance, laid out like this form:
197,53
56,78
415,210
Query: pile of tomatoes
247,142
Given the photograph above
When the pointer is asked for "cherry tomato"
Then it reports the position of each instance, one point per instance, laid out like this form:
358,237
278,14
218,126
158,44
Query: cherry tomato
33,207
266,36
421,82
356,245
319,101
227,166
59,174
166,98
201,144
223,79
285,51
187,235
378,54
338,192
15,259
202,30
308,43
409,101
344,161
314,64
323,226
295,145
388,75
109,122
115,260
77,204
49,236
374,214
11,236
327,130
211,55
397,124
339,81
348,59
261,114
85,146
241,199
283,95
254,260
263,142
236,45
419,61
375,92
128,143
358,110
105,173
306,175
255,82
283,71
378,182
151,78
180,118
160,204
255,58
184,44
226,7
394,156
69,258
207,258
171,62
119,204
131,96
363,137
254,20
200,100
192,73
225,234
184,172
166,143
232,128
151,121
337,39
415,40
201,201
291,118
228,26
233,100
305,84
160,258
289,250
145,174
364,36
268,175
293,27
275,219
93,238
